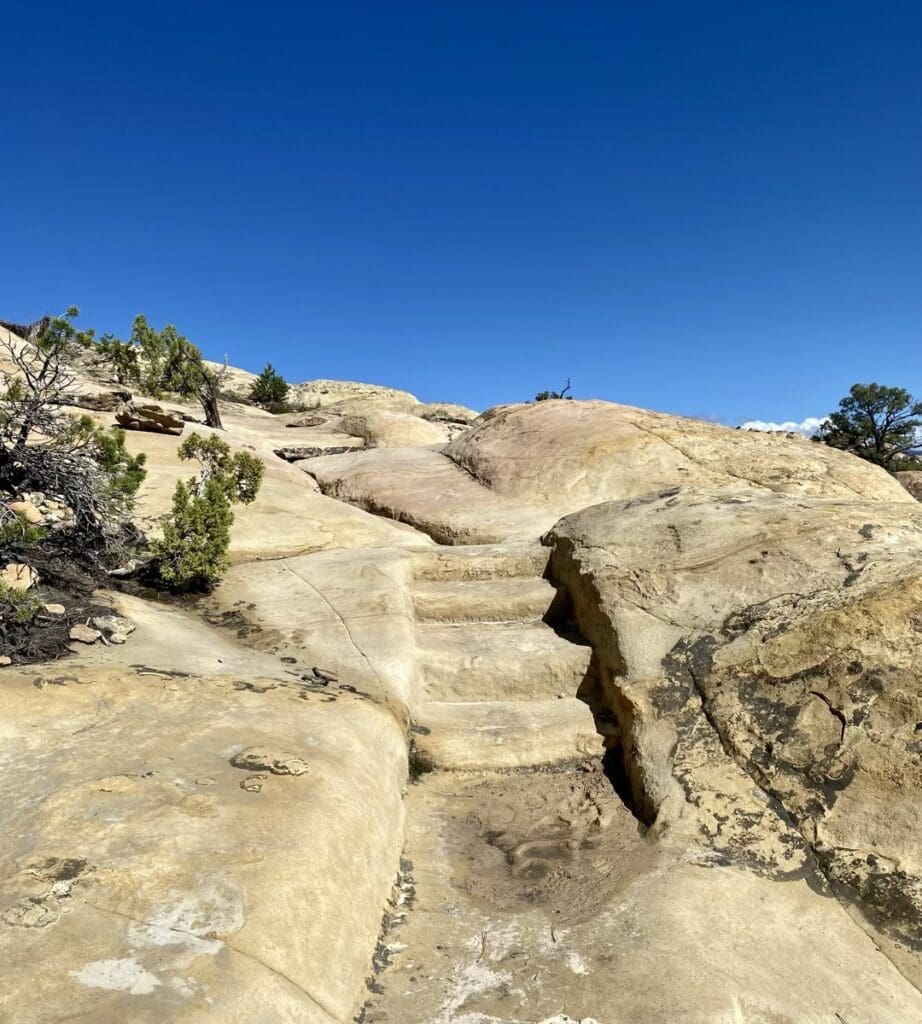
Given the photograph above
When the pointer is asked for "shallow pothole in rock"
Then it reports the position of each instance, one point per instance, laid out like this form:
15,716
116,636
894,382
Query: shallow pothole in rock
560,840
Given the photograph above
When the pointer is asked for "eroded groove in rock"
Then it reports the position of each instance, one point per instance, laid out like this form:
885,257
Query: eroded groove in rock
778,716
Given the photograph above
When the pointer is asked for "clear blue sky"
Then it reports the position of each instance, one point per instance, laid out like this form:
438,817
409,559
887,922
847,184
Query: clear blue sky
708,207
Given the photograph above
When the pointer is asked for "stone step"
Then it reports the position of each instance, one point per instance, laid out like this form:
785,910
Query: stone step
496,600
498,661
484,562
485,735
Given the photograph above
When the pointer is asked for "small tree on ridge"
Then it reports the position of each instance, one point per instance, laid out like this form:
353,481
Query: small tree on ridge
875,422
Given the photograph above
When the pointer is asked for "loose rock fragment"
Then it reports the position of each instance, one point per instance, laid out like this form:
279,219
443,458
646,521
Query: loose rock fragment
84,634
278,762
18,576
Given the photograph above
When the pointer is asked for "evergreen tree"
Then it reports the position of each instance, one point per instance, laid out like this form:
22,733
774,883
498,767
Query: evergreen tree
121,357
171,363
44,449
877,423
192,554
270,388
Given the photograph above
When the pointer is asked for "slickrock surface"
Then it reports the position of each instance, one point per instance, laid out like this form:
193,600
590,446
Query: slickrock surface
588,714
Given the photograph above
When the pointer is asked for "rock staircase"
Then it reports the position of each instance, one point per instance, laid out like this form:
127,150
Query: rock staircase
499,667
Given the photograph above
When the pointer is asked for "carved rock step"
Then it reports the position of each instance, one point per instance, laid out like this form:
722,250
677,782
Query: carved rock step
498,661
500,600
485,562
484,735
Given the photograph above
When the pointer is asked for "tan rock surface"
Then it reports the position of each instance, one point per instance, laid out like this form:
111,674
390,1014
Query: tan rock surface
571,454
760,644
519,468
161,875
205,822
420,486
18,576
912,481
393,429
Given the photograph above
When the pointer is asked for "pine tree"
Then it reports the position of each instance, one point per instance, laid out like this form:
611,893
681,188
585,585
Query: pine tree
875,422
270,390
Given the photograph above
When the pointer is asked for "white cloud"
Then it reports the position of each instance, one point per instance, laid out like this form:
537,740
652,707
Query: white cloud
808,426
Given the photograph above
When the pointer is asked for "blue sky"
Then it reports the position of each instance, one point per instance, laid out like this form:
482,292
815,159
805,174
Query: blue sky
713,208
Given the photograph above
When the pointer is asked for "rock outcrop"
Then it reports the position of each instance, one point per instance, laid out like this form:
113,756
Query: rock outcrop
758,652
584,713
150,417
912,481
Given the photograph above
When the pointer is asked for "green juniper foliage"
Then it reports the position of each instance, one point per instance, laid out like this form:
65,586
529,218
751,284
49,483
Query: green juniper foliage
192,554
121,357
877,423
269,389
17,607
44,449
544,396
169,362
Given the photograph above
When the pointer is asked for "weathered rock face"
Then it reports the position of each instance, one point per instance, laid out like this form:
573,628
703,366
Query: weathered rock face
351,396
760,654
571,454
393,430
207,822
912,481
519,468
196,831
148,416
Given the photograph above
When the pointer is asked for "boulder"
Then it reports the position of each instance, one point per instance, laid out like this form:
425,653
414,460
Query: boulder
149,417
84,634
99,400
115,628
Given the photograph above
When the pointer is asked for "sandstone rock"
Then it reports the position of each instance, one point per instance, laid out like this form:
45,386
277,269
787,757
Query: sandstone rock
278,762
311,420
519,468
115,628
150,417
296,453
422,487
912,481
99,400
760,643
200,901
84,634
393,430
27,510
18,576
350,396
5,660
55,609
290,516
446,412
571,454
165,819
